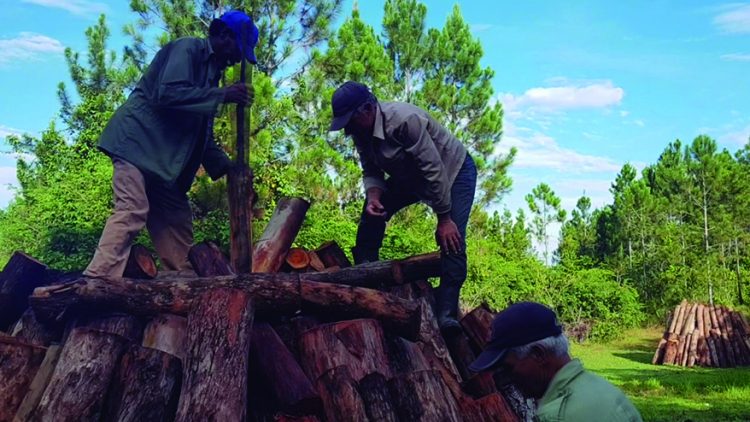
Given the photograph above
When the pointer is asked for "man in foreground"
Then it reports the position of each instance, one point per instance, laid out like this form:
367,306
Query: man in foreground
424,162
160,137
530,350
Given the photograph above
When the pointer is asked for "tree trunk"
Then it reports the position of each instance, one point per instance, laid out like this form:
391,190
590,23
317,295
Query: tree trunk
480,385
140,264
166,332
731,358
357,344
208,260
692,354
341,400
315,262
491,408
38,384
435,350
331,254
241,198
290,330
383,273
272,294
124,325
271,248
461,353
297,258
379,407
145,388
670,351
79,383
478,326
215,373
19,363
422,396
405,356
21,275
280,373
30,330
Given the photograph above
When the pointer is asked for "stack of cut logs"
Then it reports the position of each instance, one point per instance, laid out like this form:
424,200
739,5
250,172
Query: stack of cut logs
326,341
704,335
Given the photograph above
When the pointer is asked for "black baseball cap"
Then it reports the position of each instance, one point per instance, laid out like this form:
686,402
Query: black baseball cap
345,101
519,324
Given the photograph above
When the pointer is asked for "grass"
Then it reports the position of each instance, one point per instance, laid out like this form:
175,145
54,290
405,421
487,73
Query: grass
668,393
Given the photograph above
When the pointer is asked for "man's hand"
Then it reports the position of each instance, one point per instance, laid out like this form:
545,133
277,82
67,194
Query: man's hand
374,207
447,235
238,93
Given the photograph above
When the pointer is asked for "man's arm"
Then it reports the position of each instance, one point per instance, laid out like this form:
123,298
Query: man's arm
178,88
215,160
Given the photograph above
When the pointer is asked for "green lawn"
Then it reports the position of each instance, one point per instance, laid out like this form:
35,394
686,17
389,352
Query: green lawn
668,393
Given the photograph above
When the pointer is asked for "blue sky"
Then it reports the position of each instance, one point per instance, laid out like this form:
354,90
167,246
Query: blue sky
587,85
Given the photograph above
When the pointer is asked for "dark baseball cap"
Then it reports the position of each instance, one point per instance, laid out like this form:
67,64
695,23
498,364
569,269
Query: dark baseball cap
519,324
345,101
235,20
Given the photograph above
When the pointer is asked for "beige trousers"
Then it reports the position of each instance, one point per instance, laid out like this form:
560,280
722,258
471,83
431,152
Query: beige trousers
165,212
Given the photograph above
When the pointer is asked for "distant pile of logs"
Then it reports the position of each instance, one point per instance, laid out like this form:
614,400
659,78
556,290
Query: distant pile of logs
341,343
704,335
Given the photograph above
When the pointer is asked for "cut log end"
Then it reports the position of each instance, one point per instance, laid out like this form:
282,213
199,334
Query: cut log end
298,258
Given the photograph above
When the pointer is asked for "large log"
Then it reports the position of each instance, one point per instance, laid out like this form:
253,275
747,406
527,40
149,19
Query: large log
167,333
383,273
289,330
297,258
29,330
279,372
670,351
341,400
692,354
145,387
208,260
422,396
724,332
316,264
19,363
357,344
379,407
79,383
405,356
436,351
215,372
21,275
331,254
477,324
272,294
140,264
461,353
270,250
38,384
241,197
480,385
124,325
491,408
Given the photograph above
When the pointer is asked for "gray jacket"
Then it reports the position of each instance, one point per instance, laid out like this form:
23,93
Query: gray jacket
415,150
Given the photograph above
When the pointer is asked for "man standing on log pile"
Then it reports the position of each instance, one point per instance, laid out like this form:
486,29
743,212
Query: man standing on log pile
159,138
424,162
529,349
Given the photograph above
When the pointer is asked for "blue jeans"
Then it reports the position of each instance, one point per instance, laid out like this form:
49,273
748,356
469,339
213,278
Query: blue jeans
372,229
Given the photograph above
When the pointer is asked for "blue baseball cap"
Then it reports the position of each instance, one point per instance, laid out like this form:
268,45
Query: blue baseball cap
345,101
518,325
235,20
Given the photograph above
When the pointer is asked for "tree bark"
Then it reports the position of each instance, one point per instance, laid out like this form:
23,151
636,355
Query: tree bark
208,260
280,373
241,198
29,330
166,332
358,344
19,363
478,327
272,294
297,258
491,408
341,400
373,389
215,372
731,358
461,353
315,262
693,349
422,396
480,385
405,356
383,273
140,264
21,275
435,350
38,384
124,325
670,351
331,254
79,383
277,238
290,330
145,388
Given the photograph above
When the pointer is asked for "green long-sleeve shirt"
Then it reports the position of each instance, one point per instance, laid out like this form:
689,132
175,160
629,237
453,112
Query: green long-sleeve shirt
164,126
576,395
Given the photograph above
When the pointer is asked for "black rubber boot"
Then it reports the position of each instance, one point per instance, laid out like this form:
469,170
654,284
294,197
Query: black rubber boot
446,302
363,256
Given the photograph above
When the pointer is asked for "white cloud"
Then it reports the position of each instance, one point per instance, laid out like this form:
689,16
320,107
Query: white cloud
735,20
76,7
7,182
6,131
480,27
737,137
28,46
566,97
639,123
736,57
537,150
